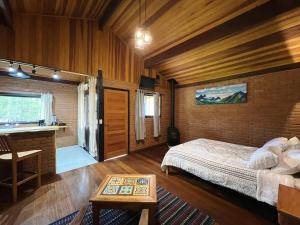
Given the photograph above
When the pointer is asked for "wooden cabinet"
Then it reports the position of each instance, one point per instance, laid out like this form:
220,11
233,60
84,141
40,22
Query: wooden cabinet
288,206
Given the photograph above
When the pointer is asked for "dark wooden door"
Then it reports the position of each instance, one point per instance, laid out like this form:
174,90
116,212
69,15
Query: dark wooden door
115,123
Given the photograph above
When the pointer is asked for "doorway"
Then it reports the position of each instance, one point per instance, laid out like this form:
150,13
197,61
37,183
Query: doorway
116,122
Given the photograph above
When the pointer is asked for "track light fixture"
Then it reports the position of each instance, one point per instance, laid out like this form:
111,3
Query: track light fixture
15,69
19,73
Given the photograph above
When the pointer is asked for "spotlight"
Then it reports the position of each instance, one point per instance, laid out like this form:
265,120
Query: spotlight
19,73
11,69
55,75
33,69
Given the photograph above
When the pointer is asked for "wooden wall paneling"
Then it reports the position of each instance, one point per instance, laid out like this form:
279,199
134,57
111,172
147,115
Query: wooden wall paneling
74,45
165,120
7,42
6,14
80,46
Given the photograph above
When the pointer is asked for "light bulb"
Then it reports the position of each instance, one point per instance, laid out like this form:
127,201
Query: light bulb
55,75
139,43
19,74
11,68
147,38
139,33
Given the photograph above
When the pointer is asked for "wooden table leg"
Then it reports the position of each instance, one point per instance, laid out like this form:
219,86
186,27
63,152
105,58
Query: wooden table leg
96,214
144,219
151,215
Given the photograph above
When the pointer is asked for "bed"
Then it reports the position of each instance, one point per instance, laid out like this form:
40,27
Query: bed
225,164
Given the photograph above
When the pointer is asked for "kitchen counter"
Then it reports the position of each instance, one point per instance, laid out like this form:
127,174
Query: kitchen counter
15,130
35,138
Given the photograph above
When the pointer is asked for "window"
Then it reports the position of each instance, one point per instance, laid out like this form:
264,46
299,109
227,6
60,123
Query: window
149,105
19,108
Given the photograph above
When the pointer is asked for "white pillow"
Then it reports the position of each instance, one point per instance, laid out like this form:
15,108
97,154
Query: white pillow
281,142
263,158
294,154
287,166
293,141
276,150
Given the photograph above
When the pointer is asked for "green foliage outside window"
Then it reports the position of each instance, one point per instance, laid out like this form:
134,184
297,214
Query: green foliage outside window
19,109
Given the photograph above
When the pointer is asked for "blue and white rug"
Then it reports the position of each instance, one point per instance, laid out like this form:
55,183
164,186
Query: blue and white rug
171,210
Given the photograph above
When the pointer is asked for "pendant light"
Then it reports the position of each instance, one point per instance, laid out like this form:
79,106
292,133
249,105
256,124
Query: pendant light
147,35
139,33
142,36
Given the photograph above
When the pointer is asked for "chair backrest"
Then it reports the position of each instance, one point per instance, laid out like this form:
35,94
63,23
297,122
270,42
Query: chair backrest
4,146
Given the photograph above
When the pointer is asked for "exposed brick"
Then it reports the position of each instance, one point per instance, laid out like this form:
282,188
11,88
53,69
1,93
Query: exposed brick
272,110
65,104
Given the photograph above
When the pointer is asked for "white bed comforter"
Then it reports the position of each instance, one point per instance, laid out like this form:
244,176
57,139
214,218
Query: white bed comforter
226,164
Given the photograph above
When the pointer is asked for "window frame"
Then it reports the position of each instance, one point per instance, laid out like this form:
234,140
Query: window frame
23,95
160,96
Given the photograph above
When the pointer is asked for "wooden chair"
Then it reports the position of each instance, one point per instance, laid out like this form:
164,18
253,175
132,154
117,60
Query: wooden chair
10,155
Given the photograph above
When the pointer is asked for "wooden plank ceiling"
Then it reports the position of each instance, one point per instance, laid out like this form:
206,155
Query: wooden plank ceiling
196,41
85,9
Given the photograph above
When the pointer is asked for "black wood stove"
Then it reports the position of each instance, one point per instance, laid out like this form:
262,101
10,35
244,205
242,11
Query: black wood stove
173,133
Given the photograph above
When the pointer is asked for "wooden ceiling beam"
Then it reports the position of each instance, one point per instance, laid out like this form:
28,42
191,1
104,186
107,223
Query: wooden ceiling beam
6,13
240,23
108,12
243,75
160,12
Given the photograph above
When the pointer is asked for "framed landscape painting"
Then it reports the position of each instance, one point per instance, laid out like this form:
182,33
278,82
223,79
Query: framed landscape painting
230,94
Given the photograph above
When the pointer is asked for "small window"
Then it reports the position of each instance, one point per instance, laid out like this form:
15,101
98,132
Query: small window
19,108
149,105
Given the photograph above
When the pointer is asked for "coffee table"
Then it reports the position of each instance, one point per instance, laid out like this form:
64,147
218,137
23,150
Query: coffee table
126,191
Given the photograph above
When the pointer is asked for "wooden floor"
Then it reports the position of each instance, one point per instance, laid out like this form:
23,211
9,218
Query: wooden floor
68,192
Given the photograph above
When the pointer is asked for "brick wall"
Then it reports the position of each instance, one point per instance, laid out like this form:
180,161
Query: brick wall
272,110
44,141
65,103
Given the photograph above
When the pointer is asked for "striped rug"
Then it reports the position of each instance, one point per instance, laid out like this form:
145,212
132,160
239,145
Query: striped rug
171,210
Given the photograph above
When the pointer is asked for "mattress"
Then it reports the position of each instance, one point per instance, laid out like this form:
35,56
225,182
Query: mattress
215,161
225,164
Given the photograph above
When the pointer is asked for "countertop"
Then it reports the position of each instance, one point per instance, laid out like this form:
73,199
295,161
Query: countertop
30,129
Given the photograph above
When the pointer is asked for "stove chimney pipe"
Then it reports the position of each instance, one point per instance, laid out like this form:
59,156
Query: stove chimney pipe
173,133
